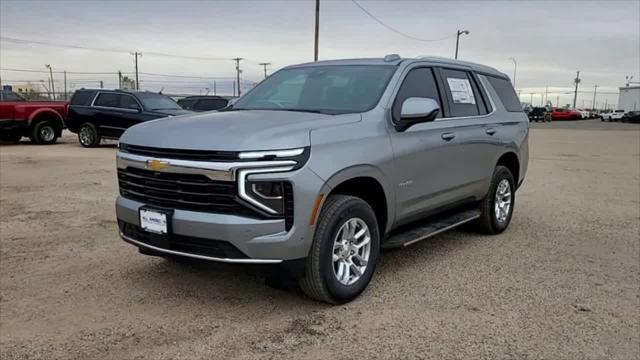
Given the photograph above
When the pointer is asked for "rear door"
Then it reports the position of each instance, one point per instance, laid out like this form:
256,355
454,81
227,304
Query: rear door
115,112
470,119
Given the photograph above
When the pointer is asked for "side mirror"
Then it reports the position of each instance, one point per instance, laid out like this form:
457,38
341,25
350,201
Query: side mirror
417,110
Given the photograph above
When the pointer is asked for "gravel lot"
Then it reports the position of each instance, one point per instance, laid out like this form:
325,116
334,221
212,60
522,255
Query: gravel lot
563,282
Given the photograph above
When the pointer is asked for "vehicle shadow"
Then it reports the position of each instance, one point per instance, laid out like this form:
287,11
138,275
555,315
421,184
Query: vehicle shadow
235,284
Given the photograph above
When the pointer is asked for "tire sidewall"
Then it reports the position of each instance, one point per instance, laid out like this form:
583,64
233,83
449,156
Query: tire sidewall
91,128
37,138
355,208
500,174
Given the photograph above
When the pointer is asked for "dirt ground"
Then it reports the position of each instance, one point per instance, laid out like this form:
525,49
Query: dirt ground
563,282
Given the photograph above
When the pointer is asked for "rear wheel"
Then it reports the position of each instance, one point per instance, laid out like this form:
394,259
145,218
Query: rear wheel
88,135
43,133
497,205
344,252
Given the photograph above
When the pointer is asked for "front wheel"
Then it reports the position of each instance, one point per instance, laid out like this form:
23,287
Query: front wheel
88,135
497,205
344,252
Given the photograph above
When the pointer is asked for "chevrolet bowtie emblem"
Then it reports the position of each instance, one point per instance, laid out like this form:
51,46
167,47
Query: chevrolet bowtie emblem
157,165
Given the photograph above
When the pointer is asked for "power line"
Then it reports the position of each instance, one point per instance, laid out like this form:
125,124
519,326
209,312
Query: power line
81,47
393,29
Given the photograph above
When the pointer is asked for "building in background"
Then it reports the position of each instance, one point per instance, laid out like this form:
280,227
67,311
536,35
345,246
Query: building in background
629,98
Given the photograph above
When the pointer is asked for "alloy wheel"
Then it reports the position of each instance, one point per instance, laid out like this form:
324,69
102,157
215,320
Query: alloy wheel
351,250
502,203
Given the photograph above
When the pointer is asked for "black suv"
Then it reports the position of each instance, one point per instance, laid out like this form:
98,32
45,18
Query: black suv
203,103
539,114
97,114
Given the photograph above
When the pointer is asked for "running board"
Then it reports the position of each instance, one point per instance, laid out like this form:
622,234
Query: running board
432,226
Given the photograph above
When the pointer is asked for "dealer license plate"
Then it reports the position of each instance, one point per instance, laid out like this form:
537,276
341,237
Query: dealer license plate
153,221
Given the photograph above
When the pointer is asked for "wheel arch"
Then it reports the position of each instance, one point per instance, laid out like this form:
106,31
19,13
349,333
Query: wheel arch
47,114
511,161
368,183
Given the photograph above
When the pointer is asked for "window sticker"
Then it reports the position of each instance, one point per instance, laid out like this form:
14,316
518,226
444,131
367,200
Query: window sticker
461,91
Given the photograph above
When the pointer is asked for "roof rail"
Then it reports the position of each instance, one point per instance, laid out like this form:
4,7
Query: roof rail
391,57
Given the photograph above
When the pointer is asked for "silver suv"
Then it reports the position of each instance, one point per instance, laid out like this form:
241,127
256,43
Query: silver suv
323,164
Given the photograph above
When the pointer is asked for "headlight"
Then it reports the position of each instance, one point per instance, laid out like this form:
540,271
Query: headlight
271,197
267,193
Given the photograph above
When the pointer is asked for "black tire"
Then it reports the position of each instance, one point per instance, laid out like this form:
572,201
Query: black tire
547,118
319,280
43,133
488,222
88,135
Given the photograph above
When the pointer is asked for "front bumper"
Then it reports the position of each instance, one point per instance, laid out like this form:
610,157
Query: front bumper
259,240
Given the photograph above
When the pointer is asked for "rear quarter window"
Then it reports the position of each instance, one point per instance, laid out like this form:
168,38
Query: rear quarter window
82,98
506,93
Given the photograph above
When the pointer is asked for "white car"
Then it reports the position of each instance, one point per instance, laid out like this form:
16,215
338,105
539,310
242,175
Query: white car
613,116
584,113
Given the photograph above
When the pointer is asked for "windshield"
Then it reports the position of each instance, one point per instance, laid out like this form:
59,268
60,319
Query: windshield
153,101
328,89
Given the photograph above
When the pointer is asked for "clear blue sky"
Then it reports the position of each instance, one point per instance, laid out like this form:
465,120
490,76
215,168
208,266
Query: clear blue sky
549,39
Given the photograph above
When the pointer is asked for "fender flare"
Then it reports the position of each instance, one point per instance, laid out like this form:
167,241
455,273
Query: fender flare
359,171
50,112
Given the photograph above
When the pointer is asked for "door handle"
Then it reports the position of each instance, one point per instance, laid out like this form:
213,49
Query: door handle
448,136
490,131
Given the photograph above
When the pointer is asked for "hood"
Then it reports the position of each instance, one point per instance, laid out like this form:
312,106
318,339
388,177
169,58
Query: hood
244,130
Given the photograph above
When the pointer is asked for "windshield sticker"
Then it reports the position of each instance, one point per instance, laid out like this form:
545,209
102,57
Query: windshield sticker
461,91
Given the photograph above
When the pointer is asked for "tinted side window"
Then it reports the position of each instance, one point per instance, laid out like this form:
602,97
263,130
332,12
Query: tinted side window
462,95
506,93
108,99
419,82
128,102
210,104
82,97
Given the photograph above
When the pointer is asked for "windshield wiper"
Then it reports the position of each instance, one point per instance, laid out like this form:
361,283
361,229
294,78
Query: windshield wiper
304,110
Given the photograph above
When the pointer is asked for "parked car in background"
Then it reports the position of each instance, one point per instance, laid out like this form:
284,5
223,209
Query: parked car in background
360,155
41,121
539,114
565,114
631,117
613,116
584,114
203,103
98,114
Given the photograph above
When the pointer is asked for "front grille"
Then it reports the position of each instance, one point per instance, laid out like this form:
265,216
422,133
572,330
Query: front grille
182,154
193,192
182,243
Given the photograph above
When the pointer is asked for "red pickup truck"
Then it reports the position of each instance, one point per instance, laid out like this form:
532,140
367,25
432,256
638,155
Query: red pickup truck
565,114
41,121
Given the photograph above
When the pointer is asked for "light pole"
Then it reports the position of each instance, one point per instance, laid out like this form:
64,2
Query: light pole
515,68
53,89
460,32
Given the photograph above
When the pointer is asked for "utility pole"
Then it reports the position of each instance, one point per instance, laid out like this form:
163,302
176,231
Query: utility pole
557,100
214,87
531,101
119,79
238,71
234,88
136,54
575,94
317,33
593,104
458,33
53,89
265,68
546,92
101,84
65,85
